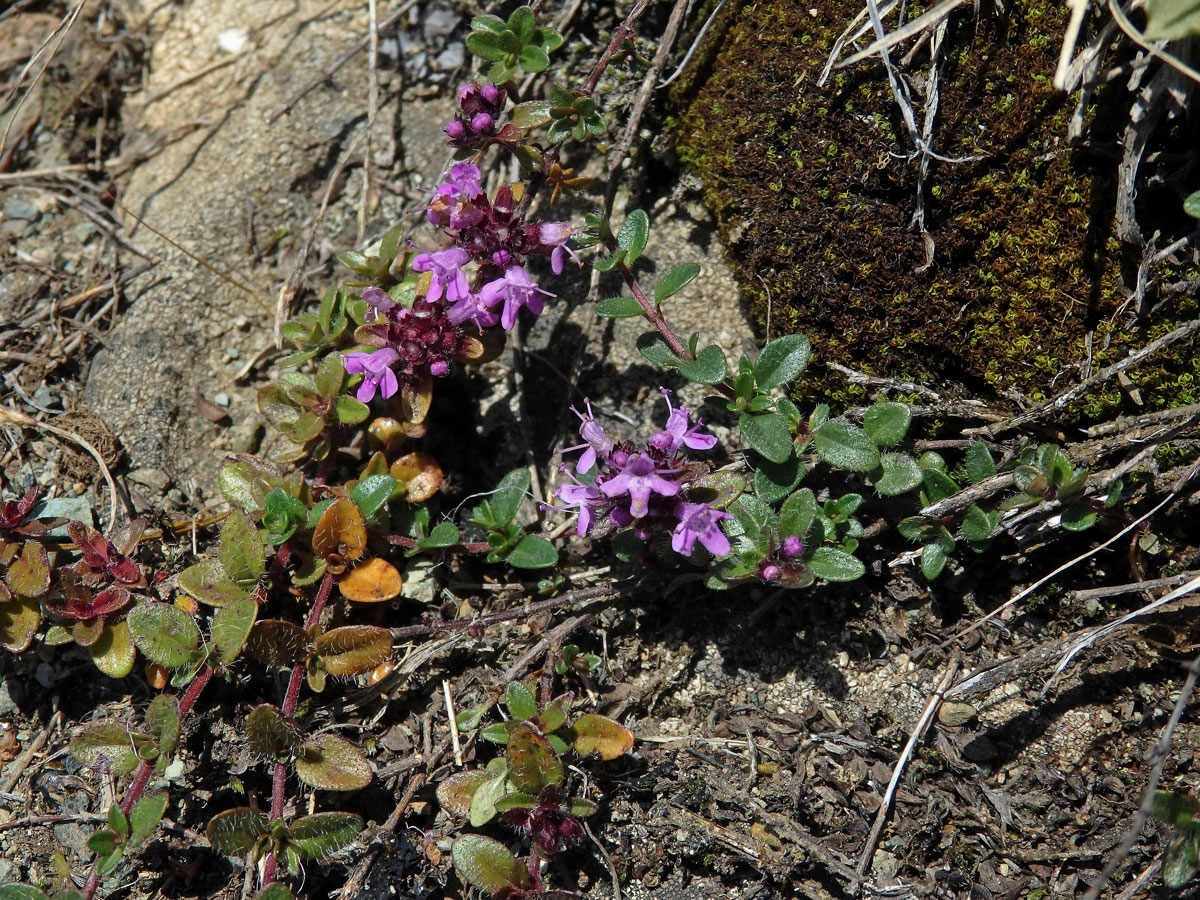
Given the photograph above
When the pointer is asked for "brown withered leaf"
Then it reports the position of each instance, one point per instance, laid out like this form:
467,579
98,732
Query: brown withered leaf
599,734
340,531
277,642
353,649
420,474
374,581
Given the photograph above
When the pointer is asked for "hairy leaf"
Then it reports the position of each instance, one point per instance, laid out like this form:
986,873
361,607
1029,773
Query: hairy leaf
324,833
165,634
782,360
270,735
832,564
353,649
846,447
231,627
240,549
236,831
532,763
592,733
276,642
486,864
374,581
332,763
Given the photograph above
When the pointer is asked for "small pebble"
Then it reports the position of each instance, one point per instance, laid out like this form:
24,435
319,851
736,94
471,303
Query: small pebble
221,399
232,40
954,714
83,231
232,352
22,210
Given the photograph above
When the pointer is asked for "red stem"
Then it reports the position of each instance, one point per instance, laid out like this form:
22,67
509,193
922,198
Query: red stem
623,31
142,776
290,701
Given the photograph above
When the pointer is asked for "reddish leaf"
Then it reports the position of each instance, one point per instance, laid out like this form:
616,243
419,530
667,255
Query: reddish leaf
532,762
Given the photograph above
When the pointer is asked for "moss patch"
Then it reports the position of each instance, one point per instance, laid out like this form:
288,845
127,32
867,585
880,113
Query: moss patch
815,208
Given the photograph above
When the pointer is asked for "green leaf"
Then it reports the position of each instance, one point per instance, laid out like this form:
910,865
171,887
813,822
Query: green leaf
797,513
230,627
898,472
162,721
633,234
165,634
353,649
350,410
978,463
832,564
276,891
653,346
509,493
1180,860
270,735
486,46
1171,19
118,823
675,281
933,560
532,552
324,833
240,549
846,447
145,816
619,308
106,746
768,435
774,481
21,892
1175,809
282,515
707,368
236,831
977,524
887,423
533,58
444,534
332,763
486,864
782,360
372,493
1191,203
483,801
938,485
519,702
1078,517
206,582
103,841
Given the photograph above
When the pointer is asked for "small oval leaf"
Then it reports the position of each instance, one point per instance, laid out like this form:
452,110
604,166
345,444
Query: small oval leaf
375,581
598,734
353,649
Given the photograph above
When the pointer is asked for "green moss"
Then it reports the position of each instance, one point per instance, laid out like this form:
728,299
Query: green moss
1027,262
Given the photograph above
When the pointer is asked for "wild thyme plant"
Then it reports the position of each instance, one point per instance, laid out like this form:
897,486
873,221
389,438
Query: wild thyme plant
308,539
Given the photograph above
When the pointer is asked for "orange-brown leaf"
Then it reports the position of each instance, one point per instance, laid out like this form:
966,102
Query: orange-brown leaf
374,581
340,531
420,474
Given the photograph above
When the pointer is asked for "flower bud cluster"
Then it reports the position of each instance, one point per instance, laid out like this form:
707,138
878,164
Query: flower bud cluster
646,486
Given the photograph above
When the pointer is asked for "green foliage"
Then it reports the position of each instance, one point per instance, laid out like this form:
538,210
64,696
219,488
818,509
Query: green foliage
573,115
507,45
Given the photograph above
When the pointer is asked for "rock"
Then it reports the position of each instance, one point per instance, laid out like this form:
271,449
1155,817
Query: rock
155,479
954,714
22,210
10,693
75,508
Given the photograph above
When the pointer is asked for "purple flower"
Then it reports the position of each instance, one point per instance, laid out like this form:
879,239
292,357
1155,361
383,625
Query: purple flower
597,441
376,371
515,289
699,522
463,179
586,497
446,267
639,478
555,235
677,433
471,309
381,304
791,547
475,124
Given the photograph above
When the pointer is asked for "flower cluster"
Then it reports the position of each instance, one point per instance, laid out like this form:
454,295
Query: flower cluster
476,123
783,564
646,487
413,343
